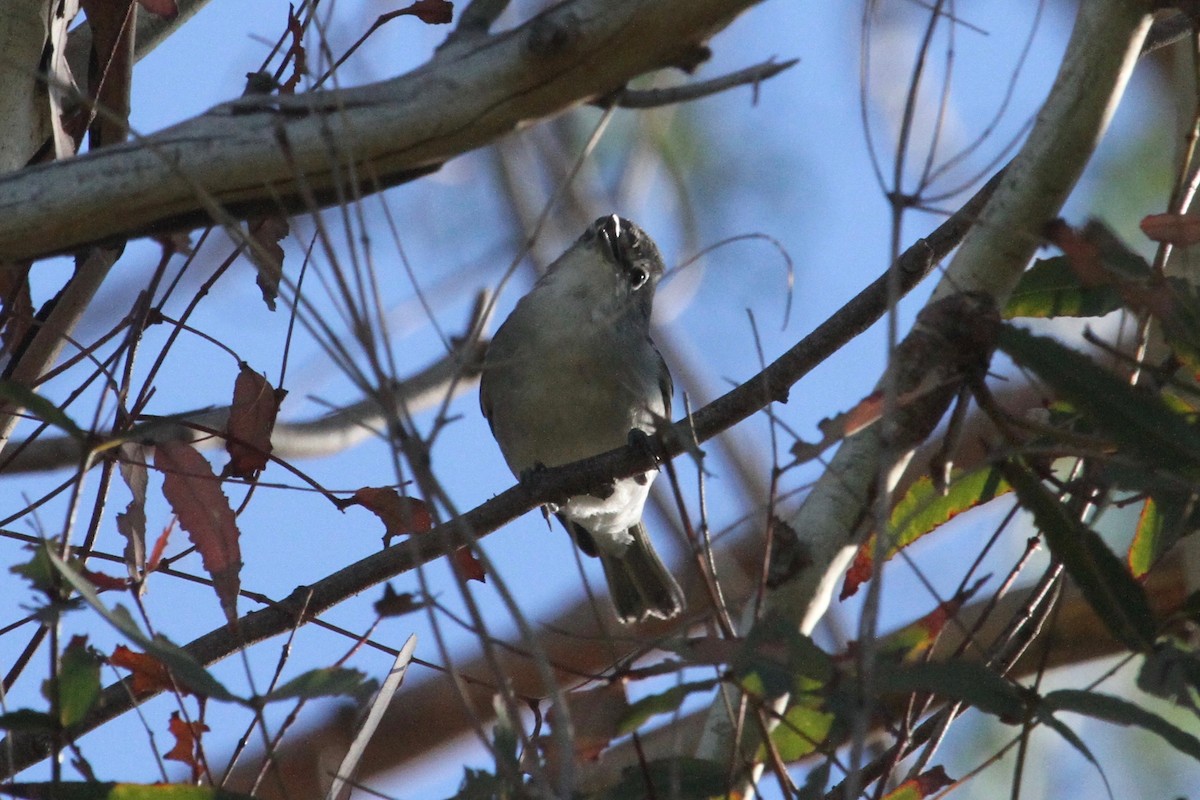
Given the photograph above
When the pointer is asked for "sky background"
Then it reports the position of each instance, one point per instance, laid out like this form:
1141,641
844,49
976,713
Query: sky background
794,166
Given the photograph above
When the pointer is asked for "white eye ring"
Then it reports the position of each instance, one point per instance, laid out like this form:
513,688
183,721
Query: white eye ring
638,277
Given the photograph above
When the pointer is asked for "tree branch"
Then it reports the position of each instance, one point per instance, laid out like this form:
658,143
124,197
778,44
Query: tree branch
265,154
769,385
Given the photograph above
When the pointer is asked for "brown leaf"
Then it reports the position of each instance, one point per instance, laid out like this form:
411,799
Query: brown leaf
167,9
103,580
431,12
187,742
16,318
131,522
265,235
1178,229
195,495
251,420
396,604
149,674
400,515
111,70
296,53
468,565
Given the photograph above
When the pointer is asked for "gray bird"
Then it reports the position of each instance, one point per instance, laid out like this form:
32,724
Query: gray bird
570,374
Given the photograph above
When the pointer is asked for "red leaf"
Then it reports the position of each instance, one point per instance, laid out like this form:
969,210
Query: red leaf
400,515
251,420
468,565
159,546
921,786
102,581
431,12
149,675
195,495
187,741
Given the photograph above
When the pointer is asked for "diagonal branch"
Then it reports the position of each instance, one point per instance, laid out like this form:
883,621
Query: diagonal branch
769,385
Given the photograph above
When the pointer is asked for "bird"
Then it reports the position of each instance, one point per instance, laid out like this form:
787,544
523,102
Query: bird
572,373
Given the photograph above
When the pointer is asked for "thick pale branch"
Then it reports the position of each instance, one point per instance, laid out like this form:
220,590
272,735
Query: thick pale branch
838,514
259,154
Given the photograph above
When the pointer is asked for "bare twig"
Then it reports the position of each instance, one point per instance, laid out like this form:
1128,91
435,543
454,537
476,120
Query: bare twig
653,98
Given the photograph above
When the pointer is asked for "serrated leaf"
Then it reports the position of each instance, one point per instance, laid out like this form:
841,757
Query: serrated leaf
923,509
1050,288
1140,422
663,703
1118,600
1119,711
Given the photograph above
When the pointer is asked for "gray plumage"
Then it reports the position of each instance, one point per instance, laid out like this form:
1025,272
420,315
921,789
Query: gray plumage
568,375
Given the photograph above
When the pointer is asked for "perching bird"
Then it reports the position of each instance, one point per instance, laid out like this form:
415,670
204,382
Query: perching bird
570,374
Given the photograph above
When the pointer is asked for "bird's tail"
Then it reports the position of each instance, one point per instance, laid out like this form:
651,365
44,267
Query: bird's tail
638,583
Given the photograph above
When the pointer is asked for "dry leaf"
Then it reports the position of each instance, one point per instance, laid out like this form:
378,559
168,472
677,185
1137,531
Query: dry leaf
400,515
149,675
187,742
251,420
265,253
132,521
195,495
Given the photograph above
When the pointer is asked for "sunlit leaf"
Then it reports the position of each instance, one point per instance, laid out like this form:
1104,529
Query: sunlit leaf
663,703
1050,288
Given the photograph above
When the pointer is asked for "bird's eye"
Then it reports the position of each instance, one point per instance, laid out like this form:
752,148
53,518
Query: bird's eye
638,277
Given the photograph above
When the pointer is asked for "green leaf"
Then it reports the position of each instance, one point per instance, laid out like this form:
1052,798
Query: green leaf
78,683
663,703
925,506
973,684
1154,535
1050,288
1118,600
22,396
183,667
776,658
1122,712
1139,422
324,682
805,726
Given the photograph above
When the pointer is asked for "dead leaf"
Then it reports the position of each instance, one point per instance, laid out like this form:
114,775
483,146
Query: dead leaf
187,742
132,521
251,420
195,495
148,673
110,72
160,545
396,604
431,12
296,54
265,253
16,318
103,580
400,515
468,565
